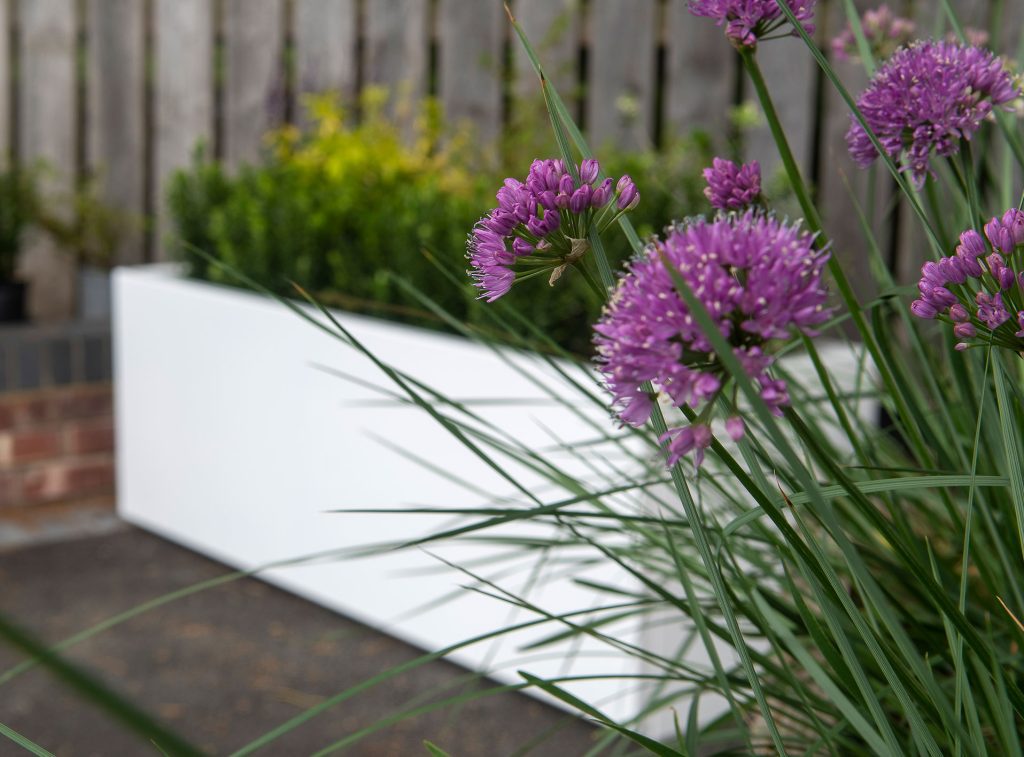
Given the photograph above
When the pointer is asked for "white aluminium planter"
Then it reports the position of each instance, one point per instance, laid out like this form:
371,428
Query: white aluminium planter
234,441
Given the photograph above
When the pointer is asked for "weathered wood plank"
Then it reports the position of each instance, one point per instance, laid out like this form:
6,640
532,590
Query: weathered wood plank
5,79
326,34
183,97
254,80
553,28
789,69
470,35
46,128
700,72
115,114
840,180
395,47
622,63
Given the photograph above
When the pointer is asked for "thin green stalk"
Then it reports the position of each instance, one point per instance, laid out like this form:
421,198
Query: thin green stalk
96,692
814,223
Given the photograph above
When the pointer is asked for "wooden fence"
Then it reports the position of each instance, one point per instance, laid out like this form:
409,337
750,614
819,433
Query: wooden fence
122,90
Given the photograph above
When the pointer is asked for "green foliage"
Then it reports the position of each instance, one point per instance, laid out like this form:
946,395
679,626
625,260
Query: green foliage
341,207
19,200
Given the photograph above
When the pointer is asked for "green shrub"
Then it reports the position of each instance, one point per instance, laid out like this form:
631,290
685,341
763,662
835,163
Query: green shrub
342,207
18,206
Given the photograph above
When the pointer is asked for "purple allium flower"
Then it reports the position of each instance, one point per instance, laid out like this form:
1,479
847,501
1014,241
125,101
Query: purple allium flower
980,288
925,99
547,217
883,30
747,21
759,278
731,186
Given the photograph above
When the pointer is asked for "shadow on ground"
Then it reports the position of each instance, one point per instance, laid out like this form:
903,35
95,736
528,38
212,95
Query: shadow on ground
226,665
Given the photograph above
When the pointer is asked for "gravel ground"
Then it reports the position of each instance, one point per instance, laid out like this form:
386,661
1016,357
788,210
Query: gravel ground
226,665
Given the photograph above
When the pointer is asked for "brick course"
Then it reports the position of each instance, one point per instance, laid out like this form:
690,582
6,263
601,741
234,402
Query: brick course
56,445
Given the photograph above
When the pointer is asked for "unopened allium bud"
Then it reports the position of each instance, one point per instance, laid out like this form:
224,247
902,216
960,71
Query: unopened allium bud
959,313
589,169
627,193
965,331
602,194
971,244
580,199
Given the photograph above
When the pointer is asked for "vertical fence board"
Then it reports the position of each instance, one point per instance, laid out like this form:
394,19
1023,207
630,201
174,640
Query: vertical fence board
789,70
5,80
470,35
622,63
183,97
325,48
700,72
553,28
47,127
115,114
254,79
841,180
396,41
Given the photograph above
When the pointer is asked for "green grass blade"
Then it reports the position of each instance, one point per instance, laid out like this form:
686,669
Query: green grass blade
27,744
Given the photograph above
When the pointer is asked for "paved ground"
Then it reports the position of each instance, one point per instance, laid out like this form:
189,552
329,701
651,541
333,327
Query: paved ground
224,666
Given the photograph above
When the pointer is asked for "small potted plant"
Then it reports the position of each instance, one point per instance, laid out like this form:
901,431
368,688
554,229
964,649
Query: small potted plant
18,204
90,233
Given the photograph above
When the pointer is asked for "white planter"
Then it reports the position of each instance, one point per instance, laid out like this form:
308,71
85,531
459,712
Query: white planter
232,441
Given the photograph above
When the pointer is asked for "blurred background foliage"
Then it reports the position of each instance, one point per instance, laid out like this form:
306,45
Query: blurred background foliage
346,205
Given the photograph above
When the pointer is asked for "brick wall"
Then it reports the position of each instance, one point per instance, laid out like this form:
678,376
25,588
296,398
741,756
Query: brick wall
56,445
56,416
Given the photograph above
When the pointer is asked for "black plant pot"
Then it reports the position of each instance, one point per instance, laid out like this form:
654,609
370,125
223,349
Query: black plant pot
12,301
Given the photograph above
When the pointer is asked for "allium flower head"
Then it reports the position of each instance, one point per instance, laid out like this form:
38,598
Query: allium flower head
925,99
759,278
546,219
731,186
883,30
747,21
979,289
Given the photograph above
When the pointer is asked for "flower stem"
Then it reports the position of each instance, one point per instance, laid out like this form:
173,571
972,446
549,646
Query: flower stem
747,55
775,125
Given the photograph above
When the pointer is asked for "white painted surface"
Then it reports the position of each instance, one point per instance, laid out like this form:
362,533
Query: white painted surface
232,442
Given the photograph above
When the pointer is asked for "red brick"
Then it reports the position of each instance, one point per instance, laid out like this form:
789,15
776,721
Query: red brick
68,481
85,402
44,484
25,446
90,478
25,410
89,437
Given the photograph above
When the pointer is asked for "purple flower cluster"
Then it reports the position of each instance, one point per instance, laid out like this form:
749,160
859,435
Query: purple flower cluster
731,186
883,30
925,99
980,289
759,278
541,225
747,21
